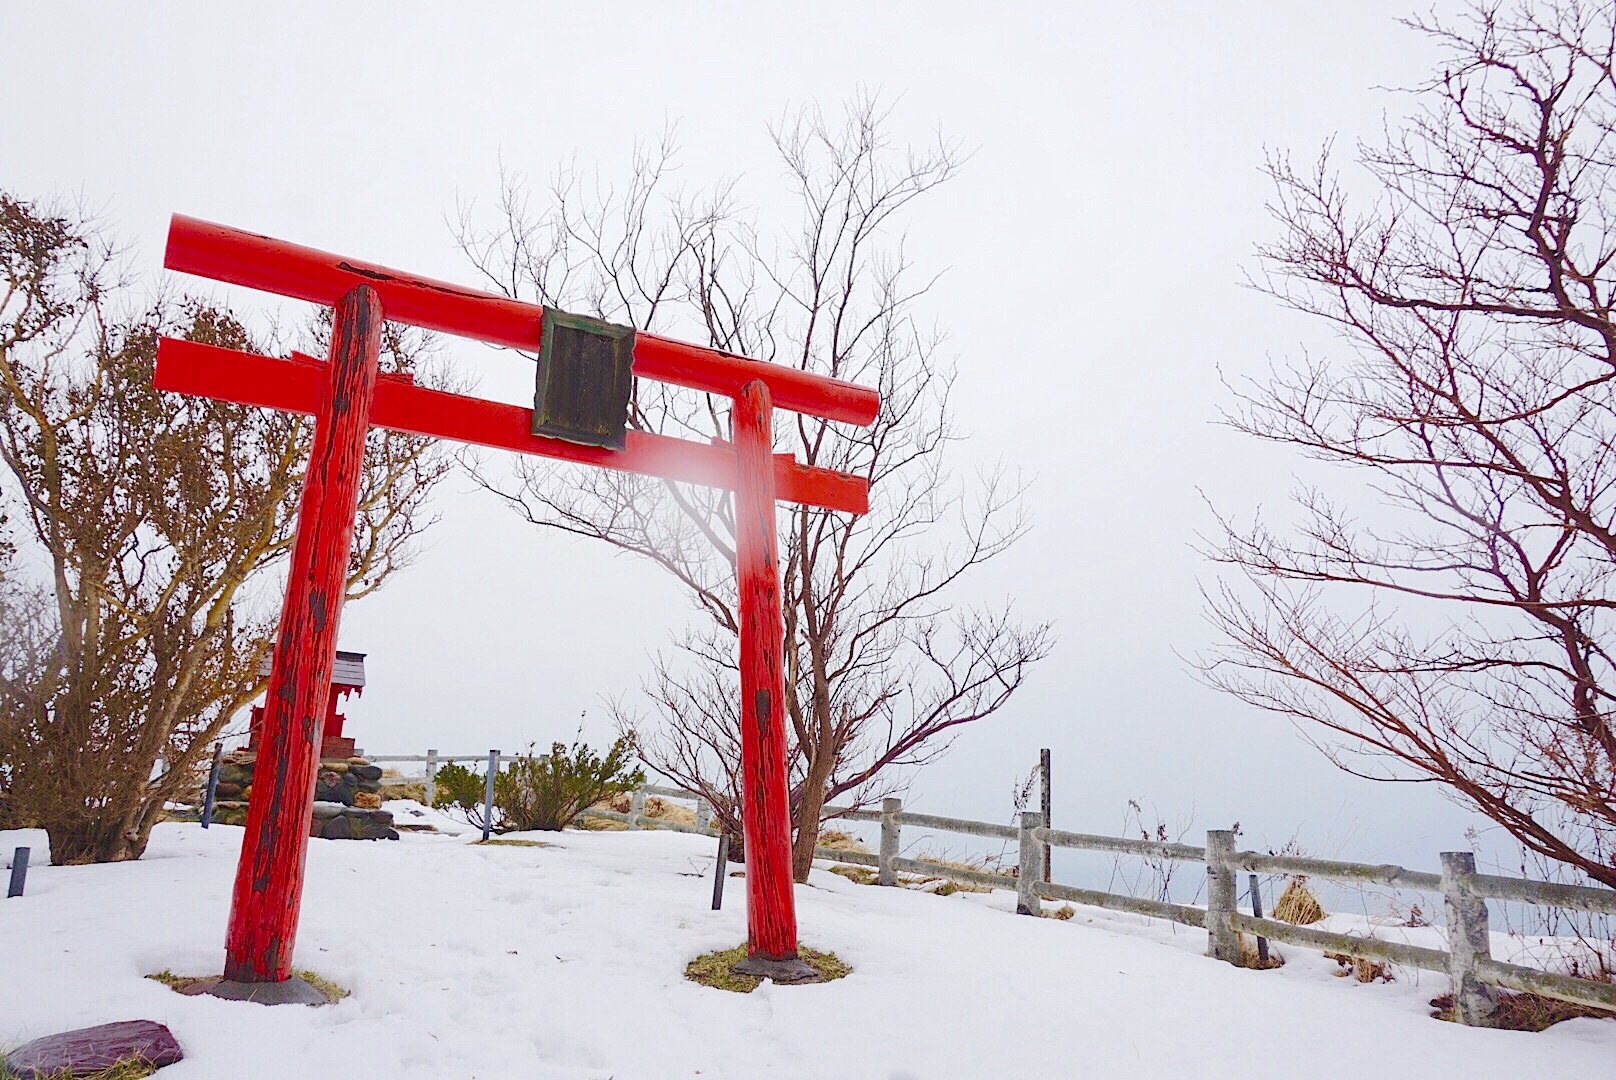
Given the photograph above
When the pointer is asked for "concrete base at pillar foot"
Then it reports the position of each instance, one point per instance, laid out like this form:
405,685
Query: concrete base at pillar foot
293,991
794,970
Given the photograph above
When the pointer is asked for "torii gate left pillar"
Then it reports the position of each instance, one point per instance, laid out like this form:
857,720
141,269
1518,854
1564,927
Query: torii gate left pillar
346,403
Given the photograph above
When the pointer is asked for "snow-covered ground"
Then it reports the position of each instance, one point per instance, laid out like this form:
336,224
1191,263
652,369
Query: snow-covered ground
567,961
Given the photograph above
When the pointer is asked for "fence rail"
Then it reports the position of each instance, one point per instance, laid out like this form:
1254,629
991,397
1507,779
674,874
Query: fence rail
1467,960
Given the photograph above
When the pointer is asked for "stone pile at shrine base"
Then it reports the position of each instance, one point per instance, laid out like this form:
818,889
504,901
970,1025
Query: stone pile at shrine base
347,798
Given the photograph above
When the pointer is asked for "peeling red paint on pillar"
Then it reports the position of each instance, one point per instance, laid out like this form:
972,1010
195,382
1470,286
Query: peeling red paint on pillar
771,909
269,876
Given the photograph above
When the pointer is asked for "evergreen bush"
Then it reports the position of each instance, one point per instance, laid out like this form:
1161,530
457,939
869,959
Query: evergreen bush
548,791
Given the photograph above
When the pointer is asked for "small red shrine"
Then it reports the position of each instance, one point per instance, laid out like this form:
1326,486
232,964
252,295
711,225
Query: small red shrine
347,677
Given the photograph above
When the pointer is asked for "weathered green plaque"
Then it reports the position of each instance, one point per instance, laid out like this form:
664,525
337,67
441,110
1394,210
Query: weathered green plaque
585,377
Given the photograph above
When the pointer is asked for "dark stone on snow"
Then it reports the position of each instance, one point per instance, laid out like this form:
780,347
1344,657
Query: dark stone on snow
366,772
234,774
338,828
293,991
228,791
324,810
90,1050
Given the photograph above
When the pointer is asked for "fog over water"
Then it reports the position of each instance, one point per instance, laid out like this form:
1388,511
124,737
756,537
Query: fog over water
1091,255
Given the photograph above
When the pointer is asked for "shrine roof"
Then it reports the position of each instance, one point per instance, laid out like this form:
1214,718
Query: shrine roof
349,669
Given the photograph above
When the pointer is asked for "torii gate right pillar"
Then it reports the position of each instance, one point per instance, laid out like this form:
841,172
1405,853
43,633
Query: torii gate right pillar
771,908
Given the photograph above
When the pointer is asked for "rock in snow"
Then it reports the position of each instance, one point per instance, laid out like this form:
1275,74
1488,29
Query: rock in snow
91,1049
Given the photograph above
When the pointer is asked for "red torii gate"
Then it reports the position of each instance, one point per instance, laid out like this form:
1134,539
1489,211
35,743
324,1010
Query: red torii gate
347,397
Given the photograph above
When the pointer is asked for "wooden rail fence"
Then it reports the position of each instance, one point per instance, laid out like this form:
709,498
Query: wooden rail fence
1467,961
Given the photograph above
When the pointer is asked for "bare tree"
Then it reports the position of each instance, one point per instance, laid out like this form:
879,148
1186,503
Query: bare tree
1461,633
883,665
155,518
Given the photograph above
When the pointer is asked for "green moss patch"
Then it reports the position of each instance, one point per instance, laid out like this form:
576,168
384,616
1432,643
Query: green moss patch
126,1070
132,1069
716,969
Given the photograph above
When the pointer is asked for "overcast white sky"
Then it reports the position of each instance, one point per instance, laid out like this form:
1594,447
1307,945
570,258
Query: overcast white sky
1092,252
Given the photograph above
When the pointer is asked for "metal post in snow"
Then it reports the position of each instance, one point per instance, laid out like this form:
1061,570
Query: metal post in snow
1468,940
1029,867
19,872
488,795
1256,913
1043,804
891,833
431,777
722,870
1223,943
213,785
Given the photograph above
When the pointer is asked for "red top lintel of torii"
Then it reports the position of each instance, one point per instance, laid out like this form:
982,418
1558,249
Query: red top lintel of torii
238,257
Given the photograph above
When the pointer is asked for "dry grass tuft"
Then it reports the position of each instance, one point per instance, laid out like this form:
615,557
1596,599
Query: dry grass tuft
944,886
1251,958
1360,968
333,993
859,875
495,841
1525,1012
1298,906
173,981
655,807
841,841
1063,913
599,824
715,969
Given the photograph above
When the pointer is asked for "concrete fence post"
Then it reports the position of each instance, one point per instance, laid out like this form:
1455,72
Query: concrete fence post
431,777
636,808
891,832
704,814
1030,867
1223,943
1468,940
488,796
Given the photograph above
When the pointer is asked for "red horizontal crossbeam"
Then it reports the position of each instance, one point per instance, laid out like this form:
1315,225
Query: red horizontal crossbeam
296,385
237,257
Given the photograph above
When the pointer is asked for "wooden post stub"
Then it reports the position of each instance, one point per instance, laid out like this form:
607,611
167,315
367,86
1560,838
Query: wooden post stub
636,808
891,834
1468,940
1043,804
1223,943
269,875
431,792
